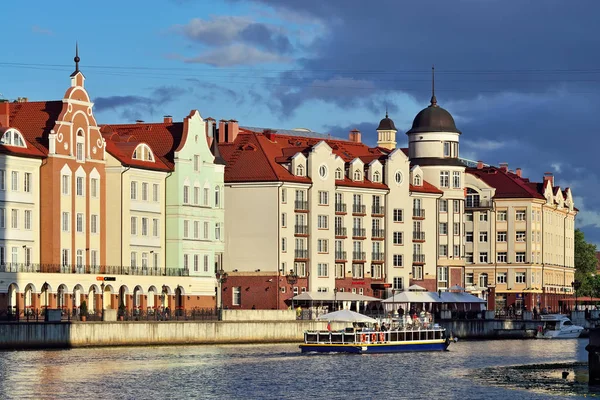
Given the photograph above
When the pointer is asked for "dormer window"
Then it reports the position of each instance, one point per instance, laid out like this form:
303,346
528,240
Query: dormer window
339,174
418,180
144,153
376,176
357,175
12,138
300,170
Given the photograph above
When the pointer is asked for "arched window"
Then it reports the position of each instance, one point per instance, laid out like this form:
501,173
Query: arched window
418,180
143,152
357,175
12,138
80,150
217,197
472,198
376,177
339,174
300,170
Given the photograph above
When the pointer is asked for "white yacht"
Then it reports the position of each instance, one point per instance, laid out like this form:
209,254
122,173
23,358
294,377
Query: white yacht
557,326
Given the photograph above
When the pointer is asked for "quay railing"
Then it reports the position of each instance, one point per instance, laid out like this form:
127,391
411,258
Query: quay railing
92,269
136,314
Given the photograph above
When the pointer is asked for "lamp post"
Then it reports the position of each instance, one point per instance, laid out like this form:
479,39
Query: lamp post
335,307
292,279
576,285
45,288
221,276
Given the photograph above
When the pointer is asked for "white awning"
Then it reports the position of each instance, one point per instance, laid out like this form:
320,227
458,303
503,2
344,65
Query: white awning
345,316
330,296
416,288
429,297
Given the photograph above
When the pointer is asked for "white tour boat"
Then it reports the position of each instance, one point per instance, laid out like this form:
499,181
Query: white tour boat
557,326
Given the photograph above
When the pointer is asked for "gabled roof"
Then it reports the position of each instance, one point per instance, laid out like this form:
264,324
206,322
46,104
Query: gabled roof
507,184
123,151
35,120
425,188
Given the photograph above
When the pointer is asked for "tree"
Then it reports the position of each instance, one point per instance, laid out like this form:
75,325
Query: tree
585,263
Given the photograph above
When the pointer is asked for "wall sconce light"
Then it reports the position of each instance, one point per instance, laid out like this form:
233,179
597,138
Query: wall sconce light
188,297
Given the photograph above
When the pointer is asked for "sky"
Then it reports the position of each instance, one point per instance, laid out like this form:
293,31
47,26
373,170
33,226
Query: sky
520,77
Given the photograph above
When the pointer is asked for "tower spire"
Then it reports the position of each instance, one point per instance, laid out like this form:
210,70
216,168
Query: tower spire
76,58
386,111
433,99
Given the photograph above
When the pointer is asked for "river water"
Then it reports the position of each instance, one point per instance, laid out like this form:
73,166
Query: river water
273,372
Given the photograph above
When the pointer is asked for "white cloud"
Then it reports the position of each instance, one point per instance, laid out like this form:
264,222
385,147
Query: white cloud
557,167
236,54
586,217
216,31
485,144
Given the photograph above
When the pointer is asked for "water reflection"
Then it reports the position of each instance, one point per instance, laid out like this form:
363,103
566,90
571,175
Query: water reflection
277,371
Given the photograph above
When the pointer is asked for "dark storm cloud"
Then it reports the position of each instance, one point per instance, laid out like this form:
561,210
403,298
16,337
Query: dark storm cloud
133,107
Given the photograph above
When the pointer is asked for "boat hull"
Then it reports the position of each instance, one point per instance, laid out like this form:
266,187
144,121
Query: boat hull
375,348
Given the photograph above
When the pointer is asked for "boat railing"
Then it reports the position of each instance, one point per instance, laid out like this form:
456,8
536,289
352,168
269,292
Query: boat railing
373,337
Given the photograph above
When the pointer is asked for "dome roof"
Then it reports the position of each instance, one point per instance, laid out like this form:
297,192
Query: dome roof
386,124
433,119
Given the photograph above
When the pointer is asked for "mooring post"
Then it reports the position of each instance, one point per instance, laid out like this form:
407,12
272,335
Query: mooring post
593,349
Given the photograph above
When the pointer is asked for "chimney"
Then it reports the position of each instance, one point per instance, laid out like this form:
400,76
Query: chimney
354,136
479,164
518,172
168,119
222,131
210,129
139,121
549,177
504,166
233,129
4,114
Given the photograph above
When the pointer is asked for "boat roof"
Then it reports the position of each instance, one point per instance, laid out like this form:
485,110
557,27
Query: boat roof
554,317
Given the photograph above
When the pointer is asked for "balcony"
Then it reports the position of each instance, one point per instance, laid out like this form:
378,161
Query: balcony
301,254
377,234
359,209
301,230
359,233
359,256
301,206
341,256
377,257
92,269
476,204
341,232
418,213
378,211
418,259
340,208
418,236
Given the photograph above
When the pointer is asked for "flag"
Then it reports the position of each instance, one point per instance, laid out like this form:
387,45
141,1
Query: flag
329,326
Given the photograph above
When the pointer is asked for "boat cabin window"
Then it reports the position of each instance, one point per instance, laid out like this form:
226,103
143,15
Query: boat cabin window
550,325
569,323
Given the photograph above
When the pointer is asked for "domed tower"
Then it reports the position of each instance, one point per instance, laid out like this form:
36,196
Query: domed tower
386,133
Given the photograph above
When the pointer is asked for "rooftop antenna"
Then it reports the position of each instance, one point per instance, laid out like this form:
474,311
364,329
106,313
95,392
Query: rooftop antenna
386,111
433,99
76,59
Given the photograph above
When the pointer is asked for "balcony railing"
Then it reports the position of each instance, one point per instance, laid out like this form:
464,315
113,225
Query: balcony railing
377,210
92,269
359,209
378,256
359,232
419,236
477,204
301,229
377,233
418,213
418,258
340,208
301,254
341,231
300,205
341,256
359,256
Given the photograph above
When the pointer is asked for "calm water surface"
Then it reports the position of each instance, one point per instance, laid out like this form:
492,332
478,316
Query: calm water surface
272,372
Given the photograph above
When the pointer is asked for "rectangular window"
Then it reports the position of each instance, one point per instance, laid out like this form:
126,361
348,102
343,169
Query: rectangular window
155,227
186,228
469,237
79,151
456,226
79,186
443,205
155,260
417,272
27,182
469,279
144,261
322,222
501,257
501,216
442,274
196,163
15,181
94,187
283,220
94,258
398,283
65,222
446,149
520,257
483,257
186,194
206,230
469,257
443,250
79,223
2,179
323,198
457,206
469,216
93,223
65,257
501,236
284,195
206,195
520,236
283,245
186,262
358,271
456,250
483,217
444,179
520,277
218,231
196,195
322,270
520,215
501,277
322,246
206,262
14,218
398,215
134,225
27,222
144,226
196,263
155,191
398,238
483,237
443,228
145,191
133,259
236,299
133,190
66,184
456,179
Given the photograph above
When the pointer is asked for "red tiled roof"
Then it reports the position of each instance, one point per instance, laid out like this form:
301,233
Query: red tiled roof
508,184
163,138
123,151
426,188
35,120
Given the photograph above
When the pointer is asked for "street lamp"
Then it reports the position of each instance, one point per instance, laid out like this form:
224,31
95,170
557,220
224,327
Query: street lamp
576,285
102,286
335,307
45,288
221,276
292,279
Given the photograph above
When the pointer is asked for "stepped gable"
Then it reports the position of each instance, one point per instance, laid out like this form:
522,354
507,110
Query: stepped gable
507,184
34,120
163,138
